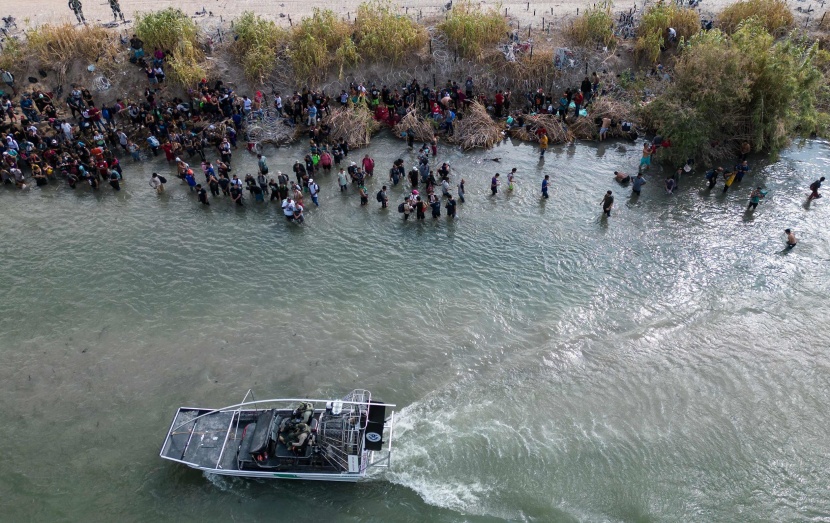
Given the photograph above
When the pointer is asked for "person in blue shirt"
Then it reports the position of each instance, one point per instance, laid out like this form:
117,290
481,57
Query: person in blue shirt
312,115
545,183
742,168
190,179
637,184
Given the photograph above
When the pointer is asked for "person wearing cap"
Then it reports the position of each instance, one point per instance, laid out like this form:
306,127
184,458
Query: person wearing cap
314,191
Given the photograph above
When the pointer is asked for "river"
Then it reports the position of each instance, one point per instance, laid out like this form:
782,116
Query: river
669,363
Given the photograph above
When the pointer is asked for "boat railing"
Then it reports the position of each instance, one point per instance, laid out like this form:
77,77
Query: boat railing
235,428
261,402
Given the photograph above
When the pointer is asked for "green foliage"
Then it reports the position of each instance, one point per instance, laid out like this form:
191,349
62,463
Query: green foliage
653,28
172,30
166,28
743,87
595,26
469,30
774,15
317,41
12,54
382,34
257,42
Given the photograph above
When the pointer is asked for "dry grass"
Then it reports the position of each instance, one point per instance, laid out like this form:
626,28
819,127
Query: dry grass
420,128
604,107
552,124
469,30
595,26
476,129
384,34
354,124
536,69
774,15
56,46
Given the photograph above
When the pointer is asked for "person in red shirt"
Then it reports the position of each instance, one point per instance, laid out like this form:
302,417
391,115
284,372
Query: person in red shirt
578,99
103,168
368,165
168,151
499,103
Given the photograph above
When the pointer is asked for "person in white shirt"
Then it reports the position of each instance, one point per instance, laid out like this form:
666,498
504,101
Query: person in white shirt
314,190
288,209
156,183
278,103
66,128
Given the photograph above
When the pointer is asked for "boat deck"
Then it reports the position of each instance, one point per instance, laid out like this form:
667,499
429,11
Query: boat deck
200,442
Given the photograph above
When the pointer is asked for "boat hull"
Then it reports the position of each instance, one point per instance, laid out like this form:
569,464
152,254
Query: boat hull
308,476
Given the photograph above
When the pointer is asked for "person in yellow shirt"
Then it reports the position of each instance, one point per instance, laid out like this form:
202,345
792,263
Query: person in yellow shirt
543,145
728,179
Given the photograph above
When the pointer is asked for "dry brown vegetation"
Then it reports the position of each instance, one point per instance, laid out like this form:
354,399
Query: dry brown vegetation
774,15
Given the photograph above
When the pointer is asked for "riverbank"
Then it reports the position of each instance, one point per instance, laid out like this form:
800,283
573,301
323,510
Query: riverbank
549,366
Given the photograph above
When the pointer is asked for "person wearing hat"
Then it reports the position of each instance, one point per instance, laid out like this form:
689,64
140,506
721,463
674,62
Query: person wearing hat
314,190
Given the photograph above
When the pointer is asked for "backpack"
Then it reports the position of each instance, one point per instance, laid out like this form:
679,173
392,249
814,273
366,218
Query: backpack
710,174
162,179
815,185
379,196
400,207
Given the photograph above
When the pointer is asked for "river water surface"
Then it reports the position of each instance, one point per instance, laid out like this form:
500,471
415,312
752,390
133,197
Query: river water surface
667,364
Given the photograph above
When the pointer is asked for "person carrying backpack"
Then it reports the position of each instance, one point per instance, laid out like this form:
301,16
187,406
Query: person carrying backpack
383,198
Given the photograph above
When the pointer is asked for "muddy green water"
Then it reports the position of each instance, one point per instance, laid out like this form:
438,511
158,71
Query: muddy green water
666,364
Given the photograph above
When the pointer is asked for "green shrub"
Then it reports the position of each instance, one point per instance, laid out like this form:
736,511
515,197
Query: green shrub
469,30
166,28
256,44
595,26
315,43
382,34
774,15
172,30
745,86
654,26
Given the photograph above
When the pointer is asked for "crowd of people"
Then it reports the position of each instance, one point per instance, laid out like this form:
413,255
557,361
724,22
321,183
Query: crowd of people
80,141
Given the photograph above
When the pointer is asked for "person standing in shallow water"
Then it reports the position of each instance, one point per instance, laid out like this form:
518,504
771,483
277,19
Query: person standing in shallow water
607,203
545,184
791,241
494,184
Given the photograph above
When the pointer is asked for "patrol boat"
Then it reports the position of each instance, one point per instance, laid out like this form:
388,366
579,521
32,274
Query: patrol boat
285,438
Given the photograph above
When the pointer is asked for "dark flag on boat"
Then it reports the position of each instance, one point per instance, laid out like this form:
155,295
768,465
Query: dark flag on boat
374,428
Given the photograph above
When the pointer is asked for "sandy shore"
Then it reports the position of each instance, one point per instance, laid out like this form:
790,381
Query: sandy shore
535,13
